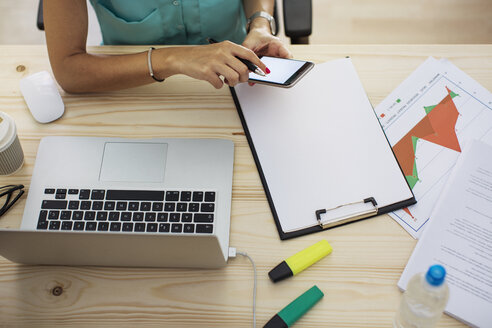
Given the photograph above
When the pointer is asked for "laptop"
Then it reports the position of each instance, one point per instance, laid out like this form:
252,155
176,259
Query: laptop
126,202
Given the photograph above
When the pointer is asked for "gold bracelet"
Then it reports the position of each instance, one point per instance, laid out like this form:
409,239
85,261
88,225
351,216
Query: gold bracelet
149,61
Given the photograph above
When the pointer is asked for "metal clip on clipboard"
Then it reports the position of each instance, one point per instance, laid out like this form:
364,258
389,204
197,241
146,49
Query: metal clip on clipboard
338,215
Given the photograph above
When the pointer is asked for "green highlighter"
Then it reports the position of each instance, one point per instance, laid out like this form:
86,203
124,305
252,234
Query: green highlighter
292,312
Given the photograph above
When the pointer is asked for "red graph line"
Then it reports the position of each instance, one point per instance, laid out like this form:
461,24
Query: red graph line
438,127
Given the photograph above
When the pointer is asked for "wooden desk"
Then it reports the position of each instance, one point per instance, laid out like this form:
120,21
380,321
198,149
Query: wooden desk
359,278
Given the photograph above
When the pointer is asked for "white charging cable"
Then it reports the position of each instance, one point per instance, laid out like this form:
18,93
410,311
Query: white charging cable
232,254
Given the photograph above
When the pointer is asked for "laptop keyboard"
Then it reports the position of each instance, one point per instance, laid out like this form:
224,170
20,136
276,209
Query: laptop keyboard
173,211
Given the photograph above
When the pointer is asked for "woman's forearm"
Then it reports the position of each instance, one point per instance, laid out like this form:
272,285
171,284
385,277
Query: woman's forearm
252,6
260,38
86,72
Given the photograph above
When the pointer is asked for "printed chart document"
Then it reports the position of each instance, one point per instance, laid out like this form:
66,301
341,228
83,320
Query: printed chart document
459,237
427,119
318,146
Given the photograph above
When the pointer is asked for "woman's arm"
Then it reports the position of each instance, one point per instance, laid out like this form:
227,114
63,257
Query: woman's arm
260,38
78,71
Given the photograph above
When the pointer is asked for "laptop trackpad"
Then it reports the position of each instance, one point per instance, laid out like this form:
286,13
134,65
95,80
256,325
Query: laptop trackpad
133,162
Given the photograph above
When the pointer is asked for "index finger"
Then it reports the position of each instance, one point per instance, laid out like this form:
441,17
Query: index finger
248,54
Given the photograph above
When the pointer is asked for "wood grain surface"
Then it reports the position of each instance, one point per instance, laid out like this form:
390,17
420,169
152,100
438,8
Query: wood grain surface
359,278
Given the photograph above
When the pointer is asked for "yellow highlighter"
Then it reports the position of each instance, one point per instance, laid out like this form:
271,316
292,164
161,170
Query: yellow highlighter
300,261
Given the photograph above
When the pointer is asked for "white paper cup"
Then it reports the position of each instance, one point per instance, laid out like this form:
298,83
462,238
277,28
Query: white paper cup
11,154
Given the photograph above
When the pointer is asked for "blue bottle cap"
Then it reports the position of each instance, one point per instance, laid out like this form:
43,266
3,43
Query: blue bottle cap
435,275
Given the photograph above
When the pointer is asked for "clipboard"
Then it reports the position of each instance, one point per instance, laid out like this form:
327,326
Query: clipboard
322,156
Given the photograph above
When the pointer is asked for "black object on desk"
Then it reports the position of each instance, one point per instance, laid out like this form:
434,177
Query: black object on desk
9,195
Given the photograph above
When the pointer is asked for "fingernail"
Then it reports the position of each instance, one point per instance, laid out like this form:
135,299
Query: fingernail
267,70
251,84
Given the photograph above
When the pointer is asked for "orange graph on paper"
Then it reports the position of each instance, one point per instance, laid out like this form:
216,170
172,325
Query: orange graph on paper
438,127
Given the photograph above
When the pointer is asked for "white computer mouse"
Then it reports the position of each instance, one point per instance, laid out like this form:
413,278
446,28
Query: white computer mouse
42,97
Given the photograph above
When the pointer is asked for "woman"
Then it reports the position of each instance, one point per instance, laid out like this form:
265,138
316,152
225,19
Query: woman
158,22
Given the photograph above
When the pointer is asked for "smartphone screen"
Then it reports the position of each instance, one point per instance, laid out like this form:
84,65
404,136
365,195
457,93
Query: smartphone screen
283,72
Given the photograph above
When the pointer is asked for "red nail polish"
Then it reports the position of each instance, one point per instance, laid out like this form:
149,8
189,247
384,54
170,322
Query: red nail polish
267,70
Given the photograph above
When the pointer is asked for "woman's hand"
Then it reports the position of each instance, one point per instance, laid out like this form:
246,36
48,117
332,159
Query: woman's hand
209,62
263,43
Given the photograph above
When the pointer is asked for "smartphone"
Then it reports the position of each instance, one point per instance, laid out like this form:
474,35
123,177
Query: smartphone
283,72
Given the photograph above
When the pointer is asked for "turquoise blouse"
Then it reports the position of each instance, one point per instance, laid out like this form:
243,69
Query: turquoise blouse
170,21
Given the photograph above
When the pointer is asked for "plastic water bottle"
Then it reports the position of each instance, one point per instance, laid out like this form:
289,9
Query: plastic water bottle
424,300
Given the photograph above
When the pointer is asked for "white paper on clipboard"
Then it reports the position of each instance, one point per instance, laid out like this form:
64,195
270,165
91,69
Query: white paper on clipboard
319,145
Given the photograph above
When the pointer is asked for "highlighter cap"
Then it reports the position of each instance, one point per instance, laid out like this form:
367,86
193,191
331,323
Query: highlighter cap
280,272
276,322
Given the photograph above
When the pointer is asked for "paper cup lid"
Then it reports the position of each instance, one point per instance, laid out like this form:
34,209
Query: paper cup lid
7,131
